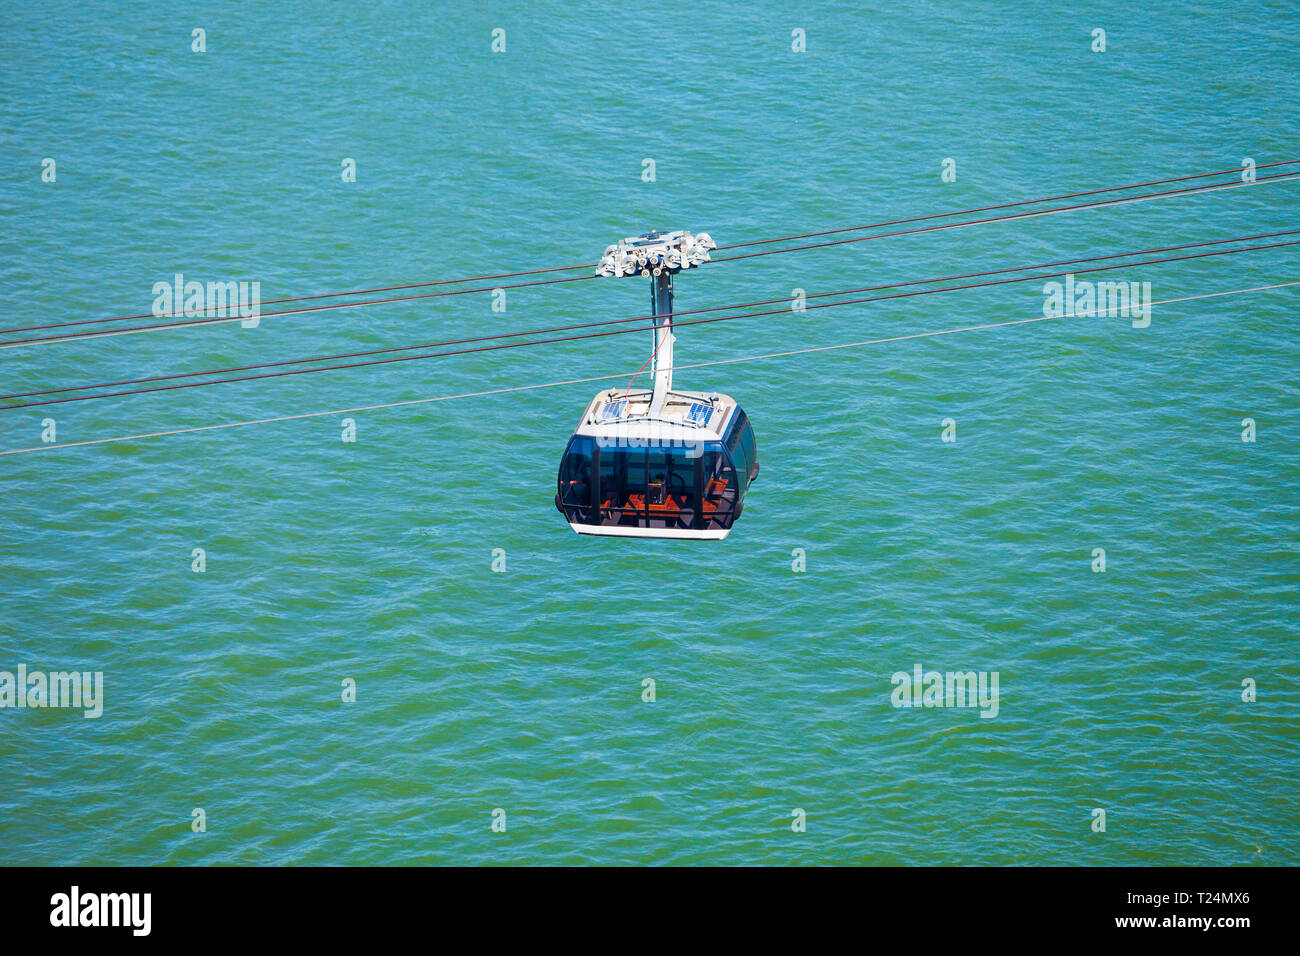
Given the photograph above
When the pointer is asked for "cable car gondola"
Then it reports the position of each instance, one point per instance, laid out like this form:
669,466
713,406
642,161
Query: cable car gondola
657,463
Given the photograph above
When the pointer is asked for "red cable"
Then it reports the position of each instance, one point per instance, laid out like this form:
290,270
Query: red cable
1005,205
329,295
587,335
976,222
602,322
643,365
315,308
507,275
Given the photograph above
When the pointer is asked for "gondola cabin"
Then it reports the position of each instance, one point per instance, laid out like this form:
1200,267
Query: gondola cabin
657,463
679,473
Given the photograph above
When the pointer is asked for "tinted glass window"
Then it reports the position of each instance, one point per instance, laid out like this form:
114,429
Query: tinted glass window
720,488
659,486
736,445
750,448
613,478
576,478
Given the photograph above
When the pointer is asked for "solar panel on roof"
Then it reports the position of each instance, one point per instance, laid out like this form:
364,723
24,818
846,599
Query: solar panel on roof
613,410
699,413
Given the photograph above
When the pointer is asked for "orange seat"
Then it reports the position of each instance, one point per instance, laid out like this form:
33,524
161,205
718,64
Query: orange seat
714,489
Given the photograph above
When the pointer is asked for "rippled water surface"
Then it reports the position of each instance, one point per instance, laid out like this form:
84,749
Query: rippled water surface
372,561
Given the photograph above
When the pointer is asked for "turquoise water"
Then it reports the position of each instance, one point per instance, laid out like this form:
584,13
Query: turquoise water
522,690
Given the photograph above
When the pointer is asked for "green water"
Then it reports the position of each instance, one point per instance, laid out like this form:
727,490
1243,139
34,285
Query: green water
372,561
